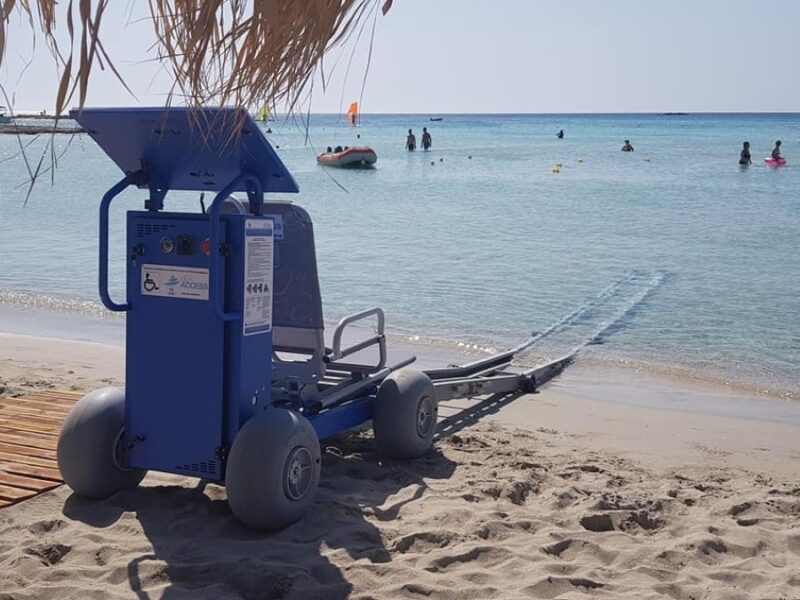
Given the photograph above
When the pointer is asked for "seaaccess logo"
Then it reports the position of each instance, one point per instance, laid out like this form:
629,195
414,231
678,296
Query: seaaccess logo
194,285
175,282
186,284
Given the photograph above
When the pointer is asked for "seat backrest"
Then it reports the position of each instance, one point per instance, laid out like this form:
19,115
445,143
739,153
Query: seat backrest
296,301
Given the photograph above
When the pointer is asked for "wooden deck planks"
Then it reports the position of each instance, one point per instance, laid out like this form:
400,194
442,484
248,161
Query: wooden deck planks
15,407
22,437
28,451
28,423
27,459
29,428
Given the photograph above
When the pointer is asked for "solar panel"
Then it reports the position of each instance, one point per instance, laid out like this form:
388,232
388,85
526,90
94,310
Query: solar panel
187,149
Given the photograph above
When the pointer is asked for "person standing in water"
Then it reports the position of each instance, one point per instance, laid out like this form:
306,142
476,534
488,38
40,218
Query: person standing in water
744,155
426,139
411,141
776,151
560,134
626,147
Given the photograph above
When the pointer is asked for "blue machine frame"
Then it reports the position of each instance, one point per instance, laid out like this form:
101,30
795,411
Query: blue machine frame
173,422
195,372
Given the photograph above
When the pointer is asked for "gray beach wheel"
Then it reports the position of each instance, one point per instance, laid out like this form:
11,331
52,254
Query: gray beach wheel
405,415
273,470
89,446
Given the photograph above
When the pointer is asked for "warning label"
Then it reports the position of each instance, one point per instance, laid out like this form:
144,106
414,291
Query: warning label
258,264
174,282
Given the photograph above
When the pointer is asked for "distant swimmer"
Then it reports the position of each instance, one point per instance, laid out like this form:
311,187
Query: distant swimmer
560,134
744,155
411,141
426,139
626,147
337,149
776,151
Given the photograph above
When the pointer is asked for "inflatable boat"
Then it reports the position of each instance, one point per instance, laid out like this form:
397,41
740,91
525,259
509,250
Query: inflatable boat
775,162
353,158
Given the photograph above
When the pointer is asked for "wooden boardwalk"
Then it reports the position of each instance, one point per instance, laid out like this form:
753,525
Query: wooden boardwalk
29,428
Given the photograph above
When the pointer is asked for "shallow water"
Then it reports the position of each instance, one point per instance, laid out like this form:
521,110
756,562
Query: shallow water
484,250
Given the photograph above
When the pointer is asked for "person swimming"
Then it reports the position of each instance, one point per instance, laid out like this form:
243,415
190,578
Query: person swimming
626,147
776,151
411,141
426,139
560,134
744,155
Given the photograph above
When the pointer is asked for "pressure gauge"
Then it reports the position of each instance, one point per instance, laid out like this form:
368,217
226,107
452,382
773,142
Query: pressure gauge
167,244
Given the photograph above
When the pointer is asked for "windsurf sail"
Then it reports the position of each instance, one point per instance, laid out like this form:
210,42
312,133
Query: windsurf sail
263,114
352,114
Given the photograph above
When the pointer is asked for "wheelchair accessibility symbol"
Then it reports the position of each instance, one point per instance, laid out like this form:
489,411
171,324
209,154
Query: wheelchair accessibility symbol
149,285
173,282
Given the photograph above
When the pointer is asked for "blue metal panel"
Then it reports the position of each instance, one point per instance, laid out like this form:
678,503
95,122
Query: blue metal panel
174,357
248,348
342,418
183,149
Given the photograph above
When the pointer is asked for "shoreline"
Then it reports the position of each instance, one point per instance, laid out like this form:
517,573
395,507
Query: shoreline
72,319
654,420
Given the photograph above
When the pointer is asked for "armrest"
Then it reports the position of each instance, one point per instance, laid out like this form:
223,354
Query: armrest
338,352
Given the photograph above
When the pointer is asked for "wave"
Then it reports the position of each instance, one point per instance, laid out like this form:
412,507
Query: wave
66,304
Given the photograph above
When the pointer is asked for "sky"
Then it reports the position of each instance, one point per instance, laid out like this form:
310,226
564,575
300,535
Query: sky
517,56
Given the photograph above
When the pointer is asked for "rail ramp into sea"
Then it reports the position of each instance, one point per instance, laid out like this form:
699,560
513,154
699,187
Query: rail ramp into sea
594,321
546,353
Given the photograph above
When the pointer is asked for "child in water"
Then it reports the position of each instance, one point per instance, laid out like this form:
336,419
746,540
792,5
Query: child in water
744,155
776,151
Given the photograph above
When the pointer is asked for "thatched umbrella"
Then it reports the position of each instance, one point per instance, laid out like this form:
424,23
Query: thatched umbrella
219,52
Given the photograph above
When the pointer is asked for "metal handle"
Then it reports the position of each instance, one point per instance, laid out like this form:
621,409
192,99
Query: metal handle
102,281
379,339
256,195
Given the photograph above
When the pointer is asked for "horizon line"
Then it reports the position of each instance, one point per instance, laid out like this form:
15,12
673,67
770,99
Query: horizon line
657,113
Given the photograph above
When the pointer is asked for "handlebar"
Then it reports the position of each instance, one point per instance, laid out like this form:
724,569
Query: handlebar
217,302
102,272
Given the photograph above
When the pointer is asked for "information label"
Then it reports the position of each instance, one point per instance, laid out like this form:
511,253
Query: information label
277,226
258,265
174,282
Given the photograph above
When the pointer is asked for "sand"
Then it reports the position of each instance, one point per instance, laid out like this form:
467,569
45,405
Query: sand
591,488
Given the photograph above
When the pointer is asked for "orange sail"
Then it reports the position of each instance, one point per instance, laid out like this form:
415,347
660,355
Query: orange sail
352,113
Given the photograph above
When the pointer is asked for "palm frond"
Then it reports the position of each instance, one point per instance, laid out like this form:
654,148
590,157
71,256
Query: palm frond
219,52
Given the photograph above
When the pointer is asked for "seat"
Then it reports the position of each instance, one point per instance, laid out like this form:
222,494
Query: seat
298,329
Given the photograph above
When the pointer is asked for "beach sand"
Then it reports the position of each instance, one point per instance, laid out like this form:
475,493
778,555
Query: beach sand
607,483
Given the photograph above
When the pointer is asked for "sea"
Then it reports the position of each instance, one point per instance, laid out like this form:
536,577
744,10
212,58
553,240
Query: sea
671,258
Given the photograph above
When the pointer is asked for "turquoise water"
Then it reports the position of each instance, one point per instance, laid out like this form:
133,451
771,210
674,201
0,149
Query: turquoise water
484,250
